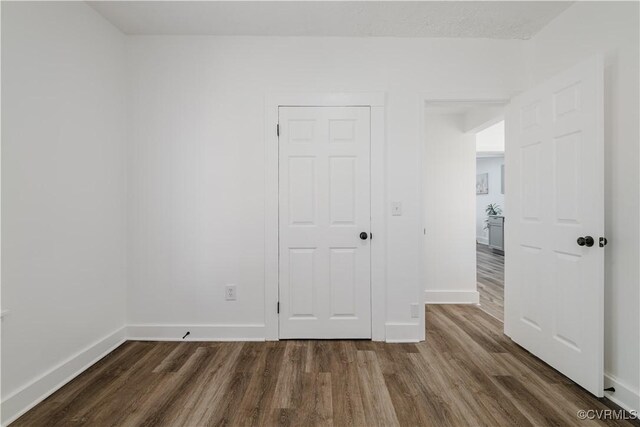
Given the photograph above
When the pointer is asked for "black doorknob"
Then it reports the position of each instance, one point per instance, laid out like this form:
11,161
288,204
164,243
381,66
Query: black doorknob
364,235
586,241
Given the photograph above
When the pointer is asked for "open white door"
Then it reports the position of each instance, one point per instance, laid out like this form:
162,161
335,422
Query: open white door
554,273
325,222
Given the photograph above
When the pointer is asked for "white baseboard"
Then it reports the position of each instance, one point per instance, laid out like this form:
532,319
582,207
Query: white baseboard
482,240
451,297
625,396
402,332
248,332
20,401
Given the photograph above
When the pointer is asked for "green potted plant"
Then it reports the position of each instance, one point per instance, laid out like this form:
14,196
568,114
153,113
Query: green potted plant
491,209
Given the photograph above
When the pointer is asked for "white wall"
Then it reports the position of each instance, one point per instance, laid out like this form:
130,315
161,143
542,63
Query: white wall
450,248
491,139
197,157
63,195
492,166
482,117
583,30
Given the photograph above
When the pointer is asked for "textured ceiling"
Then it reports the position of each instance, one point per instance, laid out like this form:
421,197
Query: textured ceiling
483,19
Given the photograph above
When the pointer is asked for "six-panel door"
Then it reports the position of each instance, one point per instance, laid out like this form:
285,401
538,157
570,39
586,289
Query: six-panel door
324,206
555,195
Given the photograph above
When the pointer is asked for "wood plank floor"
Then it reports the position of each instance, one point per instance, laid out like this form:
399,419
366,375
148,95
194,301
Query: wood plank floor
490,278
466,374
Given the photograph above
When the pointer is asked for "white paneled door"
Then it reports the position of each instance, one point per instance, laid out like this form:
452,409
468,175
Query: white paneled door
554,283
324,233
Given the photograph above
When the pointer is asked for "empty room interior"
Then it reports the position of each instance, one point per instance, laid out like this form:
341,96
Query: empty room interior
367,213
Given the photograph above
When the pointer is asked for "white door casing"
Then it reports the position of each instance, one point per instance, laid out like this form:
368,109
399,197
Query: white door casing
554,287
324,206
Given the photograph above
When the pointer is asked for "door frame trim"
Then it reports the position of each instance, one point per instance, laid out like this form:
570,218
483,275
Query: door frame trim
376,101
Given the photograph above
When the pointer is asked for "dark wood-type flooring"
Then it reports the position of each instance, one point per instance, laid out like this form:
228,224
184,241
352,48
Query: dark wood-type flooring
490,278
467,373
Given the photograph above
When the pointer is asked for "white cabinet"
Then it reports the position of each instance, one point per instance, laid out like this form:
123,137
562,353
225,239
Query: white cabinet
496,232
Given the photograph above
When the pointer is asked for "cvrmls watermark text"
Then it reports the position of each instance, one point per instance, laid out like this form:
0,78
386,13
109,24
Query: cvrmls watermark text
606,414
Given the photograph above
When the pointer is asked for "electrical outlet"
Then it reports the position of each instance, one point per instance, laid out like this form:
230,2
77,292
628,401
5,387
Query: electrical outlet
230,292
415,311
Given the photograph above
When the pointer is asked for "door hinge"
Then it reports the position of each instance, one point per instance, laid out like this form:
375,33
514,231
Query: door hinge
371,236
602,242
278,129
278,307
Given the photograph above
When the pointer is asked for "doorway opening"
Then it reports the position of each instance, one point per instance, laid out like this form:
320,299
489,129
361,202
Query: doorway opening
490,216
464,203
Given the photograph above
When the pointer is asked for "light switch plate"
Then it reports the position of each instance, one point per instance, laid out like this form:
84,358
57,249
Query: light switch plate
396,208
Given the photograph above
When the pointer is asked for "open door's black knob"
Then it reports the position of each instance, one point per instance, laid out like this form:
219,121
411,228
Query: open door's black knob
586,241
364,235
